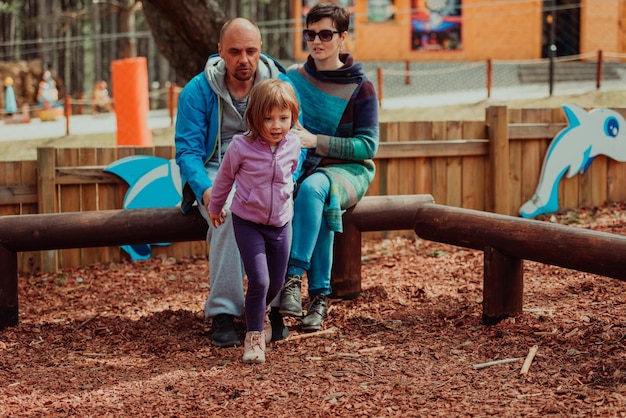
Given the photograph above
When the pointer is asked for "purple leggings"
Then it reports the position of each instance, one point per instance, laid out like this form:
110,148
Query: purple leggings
264,251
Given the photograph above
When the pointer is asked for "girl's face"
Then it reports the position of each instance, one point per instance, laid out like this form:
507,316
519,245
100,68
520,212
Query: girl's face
277,123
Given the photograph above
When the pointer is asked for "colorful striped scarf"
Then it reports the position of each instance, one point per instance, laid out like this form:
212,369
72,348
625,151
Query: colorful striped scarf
341,108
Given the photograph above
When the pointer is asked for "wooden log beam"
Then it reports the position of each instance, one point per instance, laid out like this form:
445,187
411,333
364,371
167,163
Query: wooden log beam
526,239
81,230
386,213
372,213
507,241
100,228
144,226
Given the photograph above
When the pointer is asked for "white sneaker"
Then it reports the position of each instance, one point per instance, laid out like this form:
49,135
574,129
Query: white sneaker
254,347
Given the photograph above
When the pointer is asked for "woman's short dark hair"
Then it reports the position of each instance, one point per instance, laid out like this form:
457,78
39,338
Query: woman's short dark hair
339,15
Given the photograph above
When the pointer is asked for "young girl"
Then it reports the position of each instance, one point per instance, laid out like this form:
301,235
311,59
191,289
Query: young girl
262,162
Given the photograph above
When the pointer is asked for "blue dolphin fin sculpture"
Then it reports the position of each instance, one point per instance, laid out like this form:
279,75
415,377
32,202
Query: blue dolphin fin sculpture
154,182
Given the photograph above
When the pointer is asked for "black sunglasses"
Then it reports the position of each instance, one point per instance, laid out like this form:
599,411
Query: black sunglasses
325,35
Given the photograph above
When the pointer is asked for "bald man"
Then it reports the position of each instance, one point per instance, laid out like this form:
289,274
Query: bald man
210,112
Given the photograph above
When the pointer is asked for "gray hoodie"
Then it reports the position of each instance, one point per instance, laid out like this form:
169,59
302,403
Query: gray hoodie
232,122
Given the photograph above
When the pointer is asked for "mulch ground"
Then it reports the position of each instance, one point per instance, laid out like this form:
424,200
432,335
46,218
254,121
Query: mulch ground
130,339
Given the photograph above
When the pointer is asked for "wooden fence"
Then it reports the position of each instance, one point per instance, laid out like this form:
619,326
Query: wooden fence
491,165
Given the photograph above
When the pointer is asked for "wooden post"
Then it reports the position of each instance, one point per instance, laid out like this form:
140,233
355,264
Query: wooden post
46,192
8,288
599,70
407,72
379,77
346,274
498,132
503,286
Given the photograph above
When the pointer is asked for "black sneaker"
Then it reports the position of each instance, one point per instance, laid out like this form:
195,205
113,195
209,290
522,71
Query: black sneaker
224,334
279,330
316,313
291,296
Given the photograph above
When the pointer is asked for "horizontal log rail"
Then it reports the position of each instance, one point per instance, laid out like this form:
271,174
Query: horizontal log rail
505,240
372,213
145,226
81,230
508,240
574,248
56,231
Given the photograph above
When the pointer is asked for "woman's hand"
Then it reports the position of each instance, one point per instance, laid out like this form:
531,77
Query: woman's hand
307,139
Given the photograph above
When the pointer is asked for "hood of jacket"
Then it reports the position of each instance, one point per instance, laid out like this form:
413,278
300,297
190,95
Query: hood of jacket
215,69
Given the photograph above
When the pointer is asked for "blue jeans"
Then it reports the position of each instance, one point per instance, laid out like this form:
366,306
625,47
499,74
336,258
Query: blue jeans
264,250
312,246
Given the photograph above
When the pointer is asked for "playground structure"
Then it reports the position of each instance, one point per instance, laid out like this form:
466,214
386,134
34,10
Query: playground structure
505,240
490,165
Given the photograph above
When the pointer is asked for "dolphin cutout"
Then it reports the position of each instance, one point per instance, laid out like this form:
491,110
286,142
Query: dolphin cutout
153,182
588,134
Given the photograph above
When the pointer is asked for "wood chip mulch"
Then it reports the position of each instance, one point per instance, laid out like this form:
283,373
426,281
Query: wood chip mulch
130,339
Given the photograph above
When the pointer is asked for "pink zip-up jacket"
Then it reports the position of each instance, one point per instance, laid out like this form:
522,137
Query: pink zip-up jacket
264,179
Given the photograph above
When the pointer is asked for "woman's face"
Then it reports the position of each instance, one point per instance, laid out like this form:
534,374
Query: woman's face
325,51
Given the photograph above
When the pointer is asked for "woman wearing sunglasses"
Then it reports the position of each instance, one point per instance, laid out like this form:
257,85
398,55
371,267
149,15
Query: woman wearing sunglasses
340,120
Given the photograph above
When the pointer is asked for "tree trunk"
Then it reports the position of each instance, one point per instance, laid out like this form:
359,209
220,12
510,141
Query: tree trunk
185,32
128,44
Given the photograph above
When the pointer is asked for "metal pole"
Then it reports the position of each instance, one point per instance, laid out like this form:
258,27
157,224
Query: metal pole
489,77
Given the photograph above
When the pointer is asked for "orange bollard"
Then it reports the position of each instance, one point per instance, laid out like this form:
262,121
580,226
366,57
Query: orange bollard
170,102
68,114
132,102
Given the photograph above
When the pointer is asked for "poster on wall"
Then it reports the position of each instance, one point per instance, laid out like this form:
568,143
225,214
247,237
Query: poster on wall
346,4
436,25
380,10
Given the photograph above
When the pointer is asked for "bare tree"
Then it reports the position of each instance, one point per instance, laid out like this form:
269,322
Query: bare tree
127,9
185,32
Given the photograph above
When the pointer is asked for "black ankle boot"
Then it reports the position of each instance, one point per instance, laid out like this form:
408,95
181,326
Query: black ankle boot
291,296
279,330
316,313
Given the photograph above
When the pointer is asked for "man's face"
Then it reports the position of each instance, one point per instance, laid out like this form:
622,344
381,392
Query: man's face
240,48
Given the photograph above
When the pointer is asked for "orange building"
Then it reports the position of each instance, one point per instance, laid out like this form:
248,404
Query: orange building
473,30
